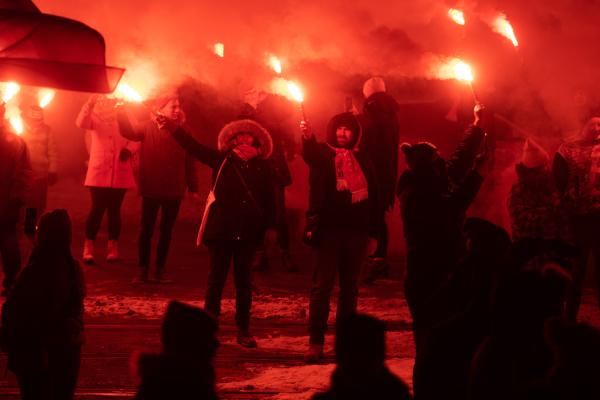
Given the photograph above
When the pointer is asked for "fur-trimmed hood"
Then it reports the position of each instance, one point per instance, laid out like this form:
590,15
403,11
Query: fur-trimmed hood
229,131
348,120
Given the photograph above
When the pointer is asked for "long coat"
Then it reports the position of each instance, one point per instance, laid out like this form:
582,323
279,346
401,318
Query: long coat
104,167
238,214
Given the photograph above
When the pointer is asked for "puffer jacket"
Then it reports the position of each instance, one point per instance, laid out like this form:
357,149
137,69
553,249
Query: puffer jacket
42,150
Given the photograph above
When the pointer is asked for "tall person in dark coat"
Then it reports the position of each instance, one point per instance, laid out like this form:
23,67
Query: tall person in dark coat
434,197
42,319
235,223
15,181
381,139
343,198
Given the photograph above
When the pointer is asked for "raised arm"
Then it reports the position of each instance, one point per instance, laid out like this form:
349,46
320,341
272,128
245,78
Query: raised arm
127,130
202,153
311,151
84,118
463,158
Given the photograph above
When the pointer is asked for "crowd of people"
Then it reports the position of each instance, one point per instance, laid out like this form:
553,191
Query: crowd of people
494,314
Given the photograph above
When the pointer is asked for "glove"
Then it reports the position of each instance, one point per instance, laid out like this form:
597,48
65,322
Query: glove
52,178
125,154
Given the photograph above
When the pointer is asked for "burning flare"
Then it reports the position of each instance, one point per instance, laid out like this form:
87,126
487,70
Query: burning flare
295,91
219,49
17,124
456,16
287,89
127,93
503,27
275,64
45,96
455,69
10,90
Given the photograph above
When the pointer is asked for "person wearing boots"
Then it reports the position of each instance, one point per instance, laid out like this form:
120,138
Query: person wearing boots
15,180
342,198
381,137
576,168
240,211
165,172
273,113
109,172
43,154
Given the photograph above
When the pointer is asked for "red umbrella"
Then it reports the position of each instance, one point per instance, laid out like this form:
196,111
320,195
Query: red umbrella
49,51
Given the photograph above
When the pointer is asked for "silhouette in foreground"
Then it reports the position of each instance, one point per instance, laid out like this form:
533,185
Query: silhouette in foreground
42,319
361,372
183,369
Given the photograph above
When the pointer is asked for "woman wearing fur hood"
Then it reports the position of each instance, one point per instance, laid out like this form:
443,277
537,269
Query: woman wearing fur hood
240,210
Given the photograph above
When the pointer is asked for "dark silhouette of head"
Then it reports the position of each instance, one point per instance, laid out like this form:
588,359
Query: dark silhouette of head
360,344
189,332
54,232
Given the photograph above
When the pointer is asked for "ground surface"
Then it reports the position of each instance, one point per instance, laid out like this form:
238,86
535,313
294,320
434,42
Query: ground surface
123,318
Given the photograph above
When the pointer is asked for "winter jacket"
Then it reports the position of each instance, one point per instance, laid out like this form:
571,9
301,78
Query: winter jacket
335,208
42,150
534,206
571,167
104,167
380,141
15,175
236,215
433,212
165,168
44,309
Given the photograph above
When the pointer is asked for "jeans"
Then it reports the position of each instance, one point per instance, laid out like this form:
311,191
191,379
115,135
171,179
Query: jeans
150,208
105,199
221,254
339,251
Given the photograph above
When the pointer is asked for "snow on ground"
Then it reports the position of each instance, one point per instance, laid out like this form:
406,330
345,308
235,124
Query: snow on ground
301,382
265,307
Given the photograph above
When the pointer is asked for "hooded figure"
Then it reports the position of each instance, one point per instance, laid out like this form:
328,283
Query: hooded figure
576,168
239,211
434,197
381,137
183,369
343,198
534,203
42,319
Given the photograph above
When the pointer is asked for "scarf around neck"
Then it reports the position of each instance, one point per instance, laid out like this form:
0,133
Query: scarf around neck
349,175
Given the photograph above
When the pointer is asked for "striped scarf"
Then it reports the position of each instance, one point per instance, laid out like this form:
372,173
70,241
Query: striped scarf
350,176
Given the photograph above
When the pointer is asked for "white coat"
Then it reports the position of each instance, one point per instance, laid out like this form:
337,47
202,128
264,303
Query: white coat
104,167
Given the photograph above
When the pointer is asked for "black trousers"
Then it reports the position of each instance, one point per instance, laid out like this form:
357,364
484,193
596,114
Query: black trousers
586,231
57,381
221,254
169,210
9,252
105,199
339,252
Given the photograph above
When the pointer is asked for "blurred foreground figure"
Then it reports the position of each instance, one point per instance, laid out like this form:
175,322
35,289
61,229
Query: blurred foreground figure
576,168
361,372
239,210
381,137
434,197
109,172
273,113
42,319
341,217
15,180
166,170
43,154
183,369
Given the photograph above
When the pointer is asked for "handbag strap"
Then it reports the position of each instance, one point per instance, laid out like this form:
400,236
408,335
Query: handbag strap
250,195
218,175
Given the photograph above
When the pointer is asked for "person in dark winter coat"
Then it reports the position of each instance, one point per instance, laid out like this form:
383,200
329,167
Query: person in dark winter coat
183,369
361,372
463,308
434,197
534,203
273,113
42,319
235,223
166,170
576,168
381,138
343,198
15,181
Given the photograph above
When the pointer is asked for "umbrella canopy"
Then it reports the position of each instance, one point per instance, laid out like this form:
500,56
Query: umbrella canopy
45,50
